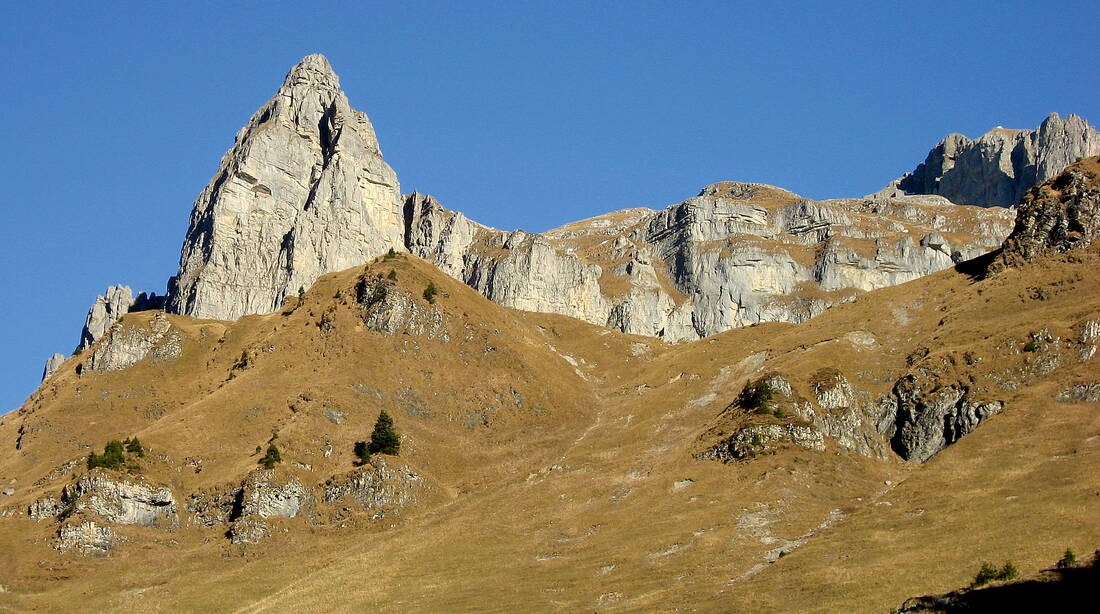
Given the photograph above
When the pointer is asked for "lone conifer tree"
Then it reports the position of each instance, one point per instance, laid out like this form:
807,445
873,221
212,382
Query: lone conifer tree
271,457
384,439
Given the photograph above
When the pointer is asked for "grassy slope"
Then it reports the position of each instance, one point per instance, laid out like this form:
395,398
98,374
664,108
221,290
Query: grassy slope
594,502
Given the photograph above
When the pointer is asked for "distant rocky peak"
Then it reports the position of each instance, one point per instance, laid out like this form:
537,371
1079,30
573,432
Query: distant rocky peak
997,168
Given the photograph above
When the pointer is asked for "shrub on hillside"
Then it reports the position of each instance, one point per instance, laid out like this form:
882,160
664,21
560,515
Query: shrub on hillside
430,292
1069,559
271,457
988,573
113,457
362,453
133,446
756,396
384,439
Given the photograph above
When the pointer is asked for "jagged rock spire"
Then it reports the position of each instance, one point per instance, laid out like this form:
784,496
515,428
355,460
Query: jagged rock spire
303,191
1000,166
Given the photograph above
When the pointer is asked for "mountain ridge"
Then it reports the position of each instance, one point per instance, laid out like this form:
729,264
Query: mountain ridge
304,191
550,463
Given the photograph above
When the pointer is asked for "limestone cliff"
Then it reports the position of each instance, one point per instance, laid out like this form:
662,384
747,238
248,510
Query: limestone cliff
1000,166
303,191
736,254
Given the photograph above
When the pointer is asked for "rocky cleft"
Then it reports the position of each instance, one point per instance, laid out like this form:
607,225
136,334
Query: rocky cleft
932,416
266,493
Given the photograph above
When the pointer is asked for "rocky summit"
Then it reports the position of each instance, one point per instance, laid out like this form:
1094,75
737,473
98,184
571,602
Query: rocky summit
747,401
1001,165
303,191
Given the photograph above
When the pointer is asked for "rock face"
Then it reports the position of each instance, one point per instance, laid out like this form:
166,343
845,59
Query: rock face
1000,166
122,501
303,191
127,344
52,365
1057,215
735,255
930,418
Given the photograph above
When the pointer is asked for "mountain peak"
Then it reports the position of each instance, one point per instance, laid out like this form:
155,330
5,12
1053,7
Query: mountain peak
313,71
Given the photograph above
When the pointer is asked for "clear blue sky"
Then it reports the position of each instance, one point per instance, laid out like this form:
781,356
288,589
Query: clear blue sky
519,114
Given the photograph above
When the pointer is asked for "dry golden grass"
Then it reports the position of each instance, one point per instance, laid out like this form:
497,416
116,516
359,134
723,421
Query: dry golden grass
594,501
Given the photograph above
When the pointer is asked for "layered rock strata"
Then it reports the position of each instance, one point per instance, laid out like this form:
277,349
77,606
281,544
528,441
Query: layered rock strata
736,254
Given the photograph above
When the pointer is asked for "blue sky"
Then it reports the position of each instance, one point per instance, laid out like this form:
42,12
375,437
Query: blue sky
522,115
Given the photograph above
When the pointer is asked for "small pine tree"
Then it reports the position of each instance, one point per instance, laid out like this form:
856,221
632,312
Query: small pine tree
392,276
756,396
986,574
384,439
390,255
113,457
1008,572
1069,559
430,292
271,457
133,446
362,452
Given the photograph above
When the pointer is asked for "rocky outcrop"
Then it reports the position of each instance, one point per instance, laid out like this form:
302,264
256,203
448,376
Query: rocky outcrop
1087,392
122,501
759,439
129,343
377,488
113,499
1000,166
109,308
52,365
931,416
210,508
47,507
1056,216
303,191
265,494
390,310
85,537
